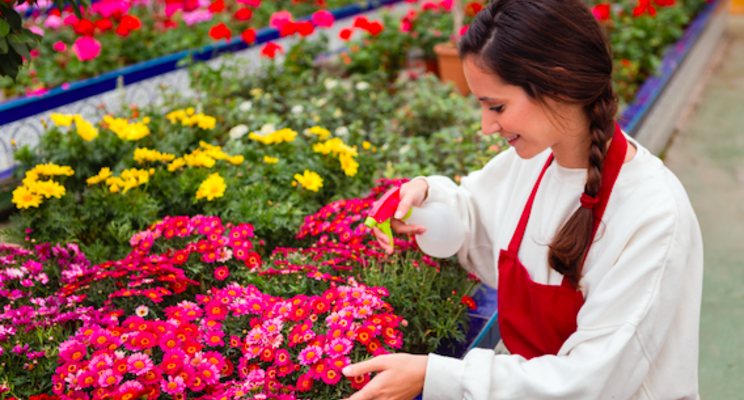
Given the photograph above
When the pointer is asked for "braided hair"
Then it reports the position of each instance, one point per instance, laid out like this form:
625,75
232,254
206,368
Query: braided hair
553,49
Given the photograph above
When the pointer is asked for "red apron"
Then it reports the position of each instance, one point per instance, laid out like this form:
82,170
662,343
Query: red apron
536,319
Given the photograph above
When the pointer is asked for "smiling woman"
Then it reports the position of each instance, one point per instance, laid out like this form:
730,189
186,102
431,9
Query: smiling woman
597,256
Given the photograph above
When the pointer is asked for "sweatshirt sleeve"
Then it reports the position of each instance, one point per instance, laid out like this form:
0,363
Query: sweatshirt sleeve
475,201
622,326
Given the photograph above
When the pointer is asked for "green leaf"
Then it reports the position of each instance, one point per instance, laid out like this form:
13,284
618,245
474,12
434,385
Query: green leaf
3,46
12,17
9,65
4,28
20,48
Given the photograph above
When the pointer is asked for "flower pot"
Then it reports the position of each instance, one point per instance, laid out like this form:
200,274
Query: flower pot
450,66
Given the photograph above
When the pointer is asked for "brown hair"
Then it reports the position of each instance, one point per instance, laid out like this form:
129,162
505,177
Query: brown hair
553,48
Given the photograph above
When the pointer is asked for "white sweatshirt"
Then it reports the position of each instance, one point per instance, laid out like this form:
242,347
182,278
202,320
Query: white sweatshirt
637,334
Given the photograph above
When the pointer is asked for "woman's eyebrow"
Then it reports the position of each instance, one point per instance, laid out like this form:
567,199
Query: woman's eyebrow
492,99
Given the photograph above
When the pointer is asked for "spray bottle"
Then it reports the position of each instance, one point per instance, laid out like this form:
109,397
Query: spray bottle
444,234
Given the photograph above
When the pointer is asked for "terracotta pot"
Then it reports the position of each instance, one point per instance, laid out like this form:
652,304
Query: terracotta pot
450,66
432,65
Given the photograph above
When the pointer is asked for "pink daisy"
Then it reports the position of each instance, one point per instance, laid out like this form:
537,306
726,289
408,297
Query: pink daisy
282,357
221,273
310,355
109,378
331,376
139,363
173,385
209,373
339,347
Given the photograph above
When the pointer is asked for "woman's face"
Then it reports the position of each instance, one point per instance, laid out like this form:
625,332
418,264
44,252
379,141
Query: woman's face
527,125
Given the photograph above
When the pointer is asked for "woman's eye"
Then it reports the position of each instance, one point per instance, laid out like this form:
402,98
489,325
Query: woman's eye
498,109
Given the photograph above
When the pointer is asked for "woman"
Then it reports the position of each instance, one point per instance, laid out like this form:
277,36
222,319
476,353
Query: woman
591,241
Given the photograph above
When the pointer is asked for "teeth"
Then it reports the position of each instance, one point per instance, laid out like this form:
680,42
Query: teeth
510,138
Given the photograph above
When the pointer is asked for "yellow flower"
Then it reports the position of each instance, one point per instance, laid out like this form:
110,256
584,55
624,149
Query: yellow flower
104,173
126,131
213,151
212,187
85,129
142,155
235,160
310,180
191,119
366,145
114,183
48,189
31,176
199,159
51,169
348,164
257,92
146,120
320,132
282,135
270,160
24,198
176,116
176,164
61,119
190,111
335,146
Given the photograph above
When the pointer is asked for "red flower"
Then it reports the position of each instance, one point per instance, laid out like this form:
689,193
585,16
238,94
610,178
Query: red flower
468,301
84,27
361,22
643,6
374,28
602,11
473,8
345,33
664,3
304,28
221,273
359,382
243,14
217,6
127,24
249,35
220,31
288,29
104,24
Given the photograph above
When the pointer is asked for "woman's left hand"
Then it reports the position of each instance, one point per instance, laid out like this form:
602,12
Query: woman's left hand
400,377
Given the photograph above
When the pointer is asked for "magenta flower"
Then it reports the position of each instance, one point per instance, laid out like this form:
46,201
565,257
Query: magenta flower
310,355
109,378
139,363
323,18
196,16
221,273
173,385
86,48
339,347
279,19
37,30
108,8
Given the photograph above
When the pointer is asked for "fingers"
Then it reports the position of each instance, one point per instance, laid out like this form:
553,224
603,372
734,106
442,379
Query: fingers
383,240
376,364
403,228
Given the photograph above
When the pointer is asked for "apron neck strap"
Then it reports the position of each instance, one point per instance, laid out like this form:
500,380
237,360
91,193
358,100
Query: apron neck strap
613,162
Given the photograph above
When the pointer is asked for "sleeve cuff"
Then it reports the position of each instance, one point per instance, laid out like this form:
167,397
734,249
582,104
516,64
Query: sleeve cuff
443,378
438,190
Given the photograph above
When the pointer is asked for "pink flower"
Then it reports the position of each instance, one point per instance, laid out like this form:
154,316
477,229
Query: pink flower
251,3
109,378
196,16
221,273
108,8
37,30
139,363
310,355
173,385
209,373
339,347
86,48
464,30
279,19
282,357
446,4
53,22
331,376
71,20
323,18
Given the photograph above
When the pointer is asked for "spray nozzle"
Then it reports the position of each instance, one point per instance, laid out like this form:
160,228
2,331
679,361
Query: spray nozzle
384,210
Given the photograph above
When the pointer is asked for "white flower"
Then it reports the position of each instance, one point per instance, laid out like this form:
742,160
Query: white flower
322,102
362,86
238,131
142,311
298,109
245,106
342,130
267,129
404,149
330,83
337,113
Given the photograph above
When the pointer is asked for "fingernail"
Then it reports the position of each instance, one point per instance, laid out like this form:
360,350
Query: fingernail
398,214
421,231
346,371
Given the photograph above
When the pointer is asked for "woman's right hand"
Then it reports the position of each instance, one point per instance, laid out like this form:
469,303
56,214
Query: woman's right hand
412,193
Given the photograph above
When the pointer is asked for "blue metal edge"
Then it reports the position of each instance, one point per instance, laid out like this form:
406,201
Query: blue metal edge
28,106
674,57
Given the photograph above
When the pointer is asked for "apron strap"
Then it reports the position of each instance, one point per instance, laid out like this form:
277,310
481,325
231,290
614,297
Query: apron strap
613,162
519,233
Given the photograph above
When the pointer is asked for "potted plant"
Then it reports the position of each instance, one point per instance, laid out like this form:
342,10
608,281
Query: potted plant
450,65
